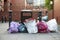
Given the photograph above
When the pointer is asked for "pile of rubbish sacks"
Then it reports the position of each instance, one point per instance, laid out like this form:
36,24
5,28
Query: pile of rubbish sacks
33,26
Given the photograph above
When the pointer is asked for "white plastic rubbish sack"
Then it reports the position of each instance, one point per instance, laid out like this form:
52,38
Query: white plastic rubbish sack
31,26
52,25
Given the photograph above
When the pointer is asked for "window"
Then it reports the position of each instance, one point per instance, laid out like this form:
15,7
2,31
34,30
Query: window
38,2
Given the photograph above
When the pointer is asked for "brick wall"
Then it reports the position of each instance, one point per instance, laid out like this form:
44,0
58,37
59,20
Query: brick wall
18,5
57,10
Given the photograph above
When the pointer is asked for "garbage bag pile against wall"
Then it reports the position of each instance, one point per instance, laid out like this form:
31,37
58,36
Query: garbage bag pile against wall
31,26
